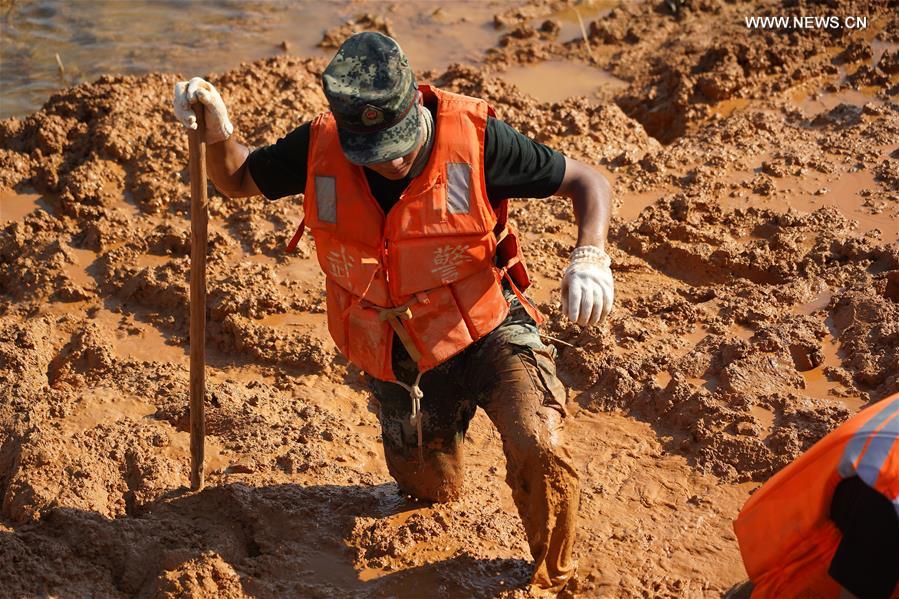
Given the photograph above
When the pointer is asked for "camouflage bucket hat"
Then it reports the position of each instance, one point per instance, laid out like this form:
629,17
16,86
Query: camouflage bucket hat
372,94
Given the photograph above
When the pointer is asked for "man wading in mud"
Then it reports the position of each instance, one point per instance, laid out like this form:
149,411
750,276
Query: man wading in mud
405,194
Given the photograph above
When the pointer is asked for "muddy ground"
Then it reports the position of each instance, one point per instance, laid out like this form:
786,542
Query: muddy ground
756,186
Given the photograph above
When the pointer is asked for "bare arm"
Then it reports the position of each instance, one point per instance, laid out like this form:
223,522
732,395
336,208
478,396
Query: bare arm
591,198
226,162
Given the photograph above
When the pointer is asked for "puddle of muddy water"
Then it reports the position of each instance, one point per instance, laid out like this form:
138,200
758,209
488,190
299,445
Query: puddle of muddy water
16,206
79,272
879,47
691,340
818,302
193,38
845,190
105,405
765,418
812,106
135,340
633,204
816,384
542,287
151,261
571,18
727,107
296,270
568,79
662,378
305,322
740,332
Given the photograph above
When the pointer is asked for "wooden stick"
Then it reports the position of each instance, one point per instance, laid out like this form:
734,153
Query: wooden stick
584,33
199,216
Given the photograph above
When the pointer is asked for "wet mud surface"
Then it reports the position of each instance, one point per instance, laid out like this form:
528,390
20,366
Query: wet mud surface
754,244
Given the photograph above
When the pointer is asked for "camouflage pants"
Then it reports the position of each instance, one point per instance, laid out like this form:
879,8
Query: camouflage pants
511,375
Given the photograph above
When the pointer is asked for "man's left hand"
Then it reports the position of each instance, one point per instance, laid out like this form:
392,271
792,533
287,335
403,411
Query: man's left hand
588,289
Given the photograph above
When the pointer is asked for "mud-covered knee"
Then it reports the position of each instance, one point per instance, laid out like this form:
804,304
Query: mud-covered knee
541,368
533,442
442,492
437,479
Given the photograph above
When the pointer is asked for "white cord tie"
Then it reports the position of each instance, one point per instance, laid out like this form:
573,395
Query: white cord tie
415,419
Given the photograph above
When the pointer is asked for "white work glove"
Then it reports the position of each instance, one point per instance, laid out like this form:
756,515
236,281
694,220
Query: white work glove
587,286
218,126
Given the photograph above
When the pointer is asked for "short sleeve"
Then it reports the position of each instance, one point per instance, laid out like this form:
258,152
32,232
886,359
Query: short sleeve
280,169
516,166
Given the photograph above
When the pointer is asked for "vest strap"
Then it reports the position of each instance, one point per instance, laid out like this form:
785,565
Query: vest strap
530,308
502,234
292,245
393,317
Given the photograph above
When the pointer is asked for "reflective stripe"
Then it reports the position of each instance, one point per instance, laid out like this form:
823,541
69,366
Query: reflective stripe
326,198
458,193
860,439
878,449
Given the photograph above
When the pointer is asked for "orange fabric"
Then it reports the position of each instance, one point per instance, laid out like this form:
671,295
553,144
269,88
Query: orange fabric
426,249
786,537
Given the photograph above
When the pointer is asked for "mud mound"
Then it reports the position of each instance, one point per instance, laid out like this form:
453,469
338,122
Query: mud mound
700,65
87,143
738,273
577,127
754,246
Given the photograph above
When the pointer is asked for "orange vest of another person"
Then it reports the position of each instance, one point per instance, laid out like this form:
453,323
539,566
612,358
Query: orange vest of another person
786,536
425,270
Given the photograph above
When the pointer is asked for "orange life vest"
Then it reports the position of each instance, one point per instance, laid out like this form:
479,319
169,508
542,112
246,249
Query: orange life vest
425,270
786,536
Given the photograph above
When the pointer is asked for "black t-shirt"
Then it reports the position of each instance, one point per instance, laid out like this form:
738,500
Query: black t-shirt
515,166
870,540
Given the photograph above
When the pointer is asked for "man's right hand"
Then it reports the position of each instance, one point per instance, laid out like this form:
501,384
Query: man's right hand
197,90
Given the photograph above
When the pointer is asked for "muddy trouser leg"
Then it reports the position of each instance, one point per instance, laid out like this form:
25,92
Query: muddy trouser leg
436,473
525,401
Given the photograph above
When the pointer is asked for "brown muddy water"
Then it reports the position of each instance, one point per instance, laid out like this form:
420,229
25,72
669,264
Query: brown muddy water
556,80
97,37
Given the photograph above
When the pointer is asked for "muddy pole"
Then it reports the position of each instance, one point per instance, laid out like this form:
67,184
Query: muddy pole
198,220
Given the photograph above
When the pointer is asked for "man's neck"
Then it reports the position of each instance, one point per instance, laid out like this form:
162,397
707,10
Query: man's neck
425,152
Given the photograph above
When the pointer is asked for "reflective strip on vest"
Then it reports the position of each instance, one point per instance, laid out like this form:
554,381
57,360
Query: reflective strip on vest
326,198
876,439
458,193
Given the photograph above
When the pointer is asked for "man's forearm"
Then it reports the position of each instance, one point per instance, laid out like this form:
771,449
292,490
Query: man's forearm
226,163
591,198
591,211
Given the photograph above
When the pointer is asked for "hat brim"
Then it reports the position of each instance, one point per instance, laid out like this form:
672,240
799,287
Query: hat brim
384,145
